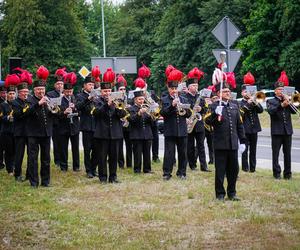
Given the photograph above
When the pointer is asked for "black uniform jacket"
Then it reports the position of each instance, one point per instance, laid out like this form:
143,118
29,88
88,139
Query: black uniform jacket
199,126
20,108
174,124
281,123
249,112
140,125
40,119
65,126
108,123
7,126
229,130
85,106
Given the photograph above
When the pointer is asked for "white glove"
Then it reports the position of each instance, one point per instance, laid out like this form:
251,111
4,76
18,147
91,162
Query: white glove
219,110
242,148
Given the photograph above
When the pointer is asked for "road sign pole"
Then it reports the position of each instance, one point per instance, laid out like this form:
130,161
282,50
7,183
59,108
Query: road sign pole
227,45
103,29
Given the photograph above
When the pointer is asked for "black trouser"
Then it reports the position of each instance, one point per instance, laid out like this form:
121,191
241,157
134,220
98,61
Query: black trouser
286,142
169,155
251,144
64,139
155,141
9,151
90,162
20,143
1,151
141,149
107,148
128,144
121,154
56,144
226,162
210,144
34,144
192,156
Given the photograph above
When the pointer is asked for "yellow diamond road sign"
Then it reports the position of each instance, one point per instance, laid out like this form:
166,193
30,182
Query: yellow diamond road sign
84,72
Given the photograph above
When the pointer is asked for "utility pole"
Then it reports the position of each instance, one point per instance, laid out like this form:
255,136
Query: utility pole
103,29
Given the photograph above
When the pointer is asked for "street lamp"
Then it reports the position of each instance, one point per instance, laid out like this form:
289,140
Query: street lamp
103,29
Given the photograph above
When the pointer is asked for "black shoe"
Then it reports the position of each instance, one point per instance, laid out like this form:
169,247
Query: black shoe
114,181
252,170
103,181
210,162
245,169
220,197
182,177
95,174
45,185
148,172
277,177
194,168
2,166
90,175
205,170
122,167
166,177
34,186
64,170
76,170
19,179
287,177
234,198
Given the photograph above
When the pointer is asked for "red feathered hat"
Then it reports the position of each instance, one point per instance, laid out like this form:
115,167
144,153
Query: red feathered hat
194,76
231,80
174,77
70,80
249,79
11,81
144,72
60,74
42,74
139,83
121,81
108,79
96,74
283,80
169,69
25,80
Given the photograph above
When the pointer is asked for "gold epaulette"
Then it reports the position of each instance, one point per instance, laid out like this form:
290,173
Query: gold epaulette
26,107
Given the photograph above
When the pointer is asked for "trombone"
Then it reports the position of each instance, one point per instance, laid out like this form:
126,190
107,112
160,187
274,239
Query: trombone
294,102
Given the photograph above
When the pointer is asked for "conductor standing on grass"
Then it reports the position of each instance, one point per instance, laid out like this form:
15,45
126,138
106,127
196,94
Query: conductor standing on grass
228,129
280,111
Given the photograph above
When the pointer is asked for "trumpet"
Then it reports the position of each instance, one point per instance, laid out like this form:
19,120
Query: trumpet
53,104
294,102
257,98
118,99
181,107
152,110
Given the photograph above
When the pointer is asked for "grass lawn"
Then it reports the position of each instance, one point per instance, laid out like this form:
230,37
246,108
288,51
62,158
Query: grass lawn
144,212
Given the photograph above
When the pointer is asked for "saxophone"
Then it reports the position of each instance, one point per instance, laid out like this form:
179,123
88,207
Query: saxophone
192,120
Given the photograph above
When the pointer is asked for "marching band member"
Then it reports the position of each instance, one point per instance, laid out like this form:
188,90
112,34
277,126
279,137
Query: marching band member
140,133
121,84
7,128
249,111
20,107
39,129
57,92
108,130
175,127
196,132
3,95
85,105
280,111
228,129
68,123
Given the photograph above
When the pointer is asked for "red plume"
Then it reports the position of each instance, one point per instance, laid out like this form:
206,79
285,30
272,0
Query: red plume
109,76
195,73
144,72
169,69
175,75
120,78
212,88
139,83
283,78
11,80
249,79
70,78
61,72
96,73
26,77
42,73
231,79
